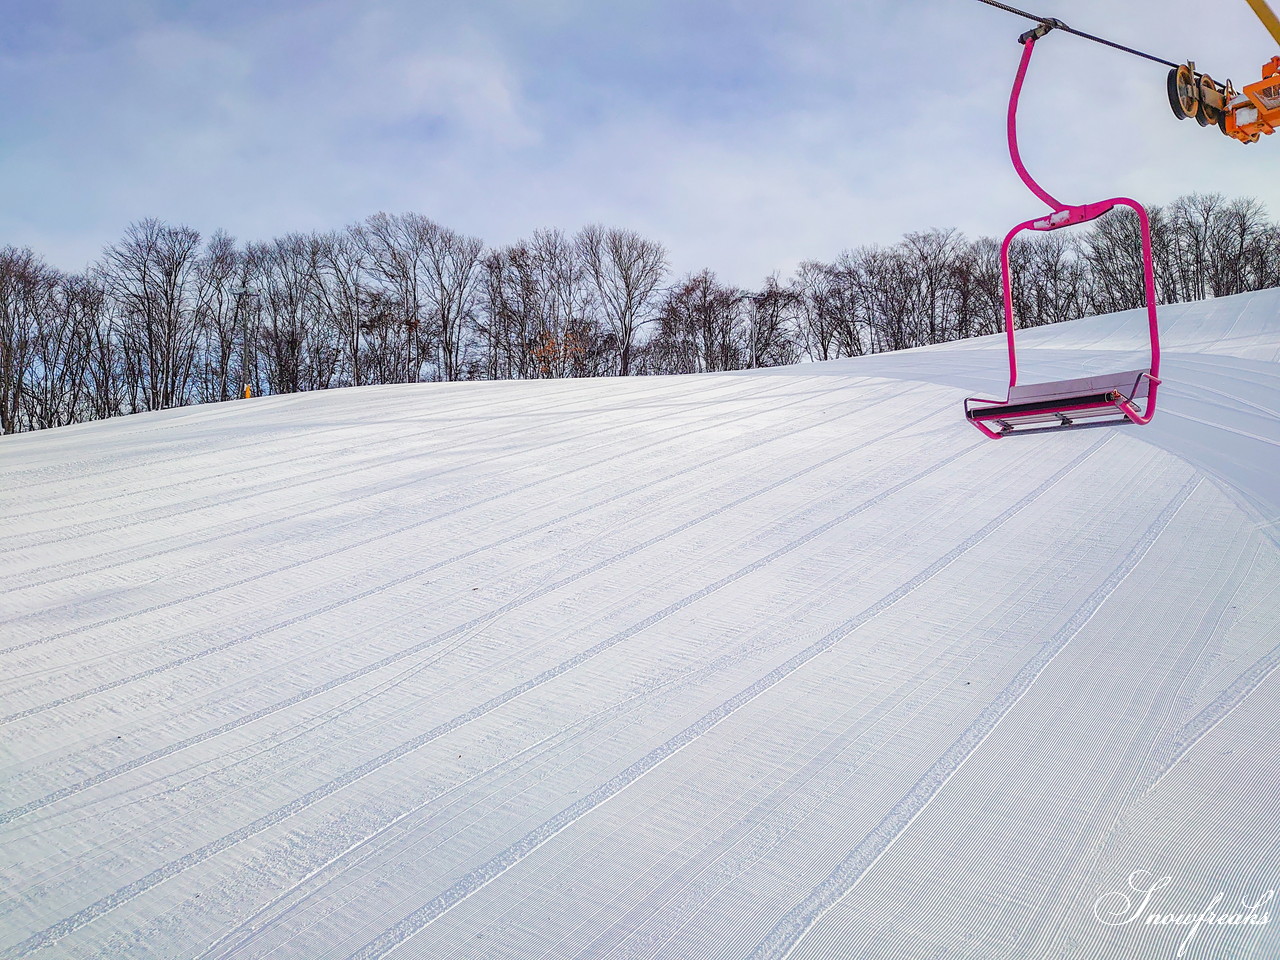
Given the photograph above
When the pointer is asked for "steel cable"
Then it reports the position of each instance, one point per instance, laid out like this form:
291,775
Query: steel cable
1059,25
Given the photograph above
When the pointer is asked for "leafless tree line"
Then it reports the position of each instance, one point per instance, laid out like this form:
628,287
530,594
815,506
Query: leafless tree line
167,318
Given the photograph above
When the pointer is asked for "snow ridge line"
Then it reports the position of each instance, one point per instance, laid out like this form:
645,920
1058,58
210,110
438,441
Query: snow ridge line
337,550
108,685
792,928
246,929
460,630
291,518
651,923
486,873
14,814
1215,712
336,445
198,414
425,419
132,890
125,520
320,476
779,434
103,776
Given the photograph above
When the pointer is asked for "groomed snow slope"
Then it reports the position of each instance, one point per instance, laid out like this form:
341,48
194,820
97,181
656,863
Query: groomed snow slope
791,662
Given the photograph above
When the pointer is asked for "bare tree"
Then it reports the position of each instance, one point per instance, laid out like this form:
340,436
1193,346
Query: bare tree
824,312
433,273
396,255
343,296
564,329
975,279
61,386
1050,281
702,327
888,290
1264,259
508,307
218,278
626,271
453,270
290,342
27,288
1112,252
536,310
282,277
1235,239
933,254
774,322
1192,220
149,277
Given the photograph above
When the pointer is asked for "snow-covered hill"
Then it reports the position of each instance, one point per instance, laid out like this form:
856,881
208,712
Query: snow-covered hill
788,662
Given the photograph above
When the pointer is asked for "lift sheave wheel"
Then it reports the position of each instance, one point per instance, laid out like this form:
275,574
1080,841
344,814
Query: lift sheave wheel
1183,93
1209,115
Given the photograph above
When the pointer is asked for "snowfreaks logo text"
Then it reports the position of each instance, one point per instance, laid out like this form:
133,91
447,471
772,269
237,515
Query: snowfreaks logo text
1141,905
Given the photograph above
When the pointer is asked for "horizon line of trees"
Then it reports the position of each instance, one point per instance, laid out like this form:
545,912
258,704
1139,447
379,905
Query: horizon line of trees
167,318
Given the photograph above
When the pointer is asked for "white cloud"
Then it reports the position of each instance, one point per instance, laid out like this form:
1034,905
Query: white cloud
785,134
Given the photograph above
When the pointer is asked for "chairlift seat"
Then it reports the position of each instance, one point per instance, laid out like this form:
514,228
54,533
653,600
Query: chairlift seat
1062,404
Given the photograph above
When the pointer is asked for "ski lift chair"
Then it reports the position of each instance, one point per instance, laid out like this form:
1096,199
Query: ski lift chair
1087,401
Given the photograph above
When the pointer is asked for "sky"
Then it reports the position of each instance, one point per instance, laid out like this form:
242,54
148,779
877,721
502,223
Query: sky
745,136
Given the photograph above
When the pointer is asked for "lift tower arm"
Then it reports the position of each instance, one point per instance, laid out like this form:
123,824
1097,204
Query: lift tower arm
1267,16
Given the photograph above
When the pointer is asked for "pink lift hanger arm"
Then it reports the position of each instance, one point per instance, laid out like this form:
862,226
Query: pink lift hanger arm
1066,215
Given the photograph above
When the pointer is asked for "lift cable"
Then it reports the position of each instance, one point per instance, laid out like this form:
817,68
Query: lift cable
1053,24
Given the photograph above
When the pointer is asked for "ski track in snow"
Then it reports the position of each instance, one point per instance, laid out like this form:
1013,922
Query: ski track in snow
241,651
276,486
413,480
345,548
783,938
198,471
241,935
459,631
488,872
123,895
114,524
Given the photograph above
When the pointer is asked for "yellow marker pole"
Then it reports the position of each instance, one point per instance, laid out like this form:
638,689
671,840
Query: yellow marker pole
248,391
1267,16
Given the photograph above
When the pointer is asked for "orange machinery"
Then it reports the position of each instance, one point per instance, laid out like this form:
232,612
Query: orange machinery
1245,115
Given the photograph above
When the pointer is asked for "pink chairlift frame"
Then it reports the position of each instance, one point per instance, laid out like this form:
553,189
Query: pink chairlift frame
1065,215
